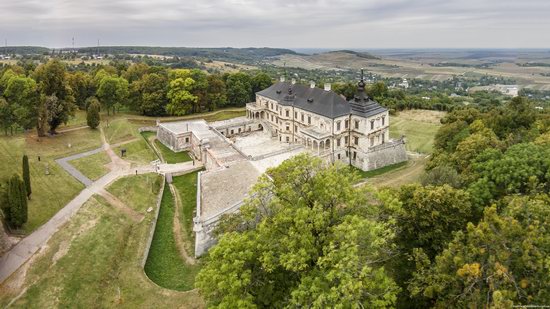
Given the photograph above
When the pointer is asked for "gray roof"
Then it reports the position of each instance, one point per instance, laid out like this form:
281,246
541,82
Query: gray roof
321,102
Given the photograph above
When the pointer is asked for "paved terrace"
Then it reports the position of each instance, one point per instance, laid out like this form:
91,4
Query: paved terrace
220,149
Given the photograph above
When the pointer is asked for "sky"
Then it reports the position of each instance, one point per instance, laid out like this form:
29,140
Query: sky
365,24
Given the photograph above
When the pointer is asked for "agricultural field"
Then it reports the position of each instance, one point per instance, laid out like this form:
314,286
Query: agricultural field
419,128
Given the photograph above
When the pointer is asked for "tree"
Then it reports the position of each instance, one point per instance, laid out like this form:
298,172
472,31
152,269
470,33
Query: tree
135,72
305,238
239,89
17,202
21,93
27,176
82,86
152,89
498,263
7,118
180,96
260,82
92,113
112,91
56,102
378,90
216,92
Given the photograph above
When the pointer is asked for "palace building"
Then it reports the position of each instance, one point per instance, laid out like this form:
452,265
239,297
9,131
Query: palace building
354,131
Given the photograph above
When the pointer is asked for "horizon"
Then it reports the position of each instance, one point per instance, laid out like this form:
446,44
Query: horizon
421,24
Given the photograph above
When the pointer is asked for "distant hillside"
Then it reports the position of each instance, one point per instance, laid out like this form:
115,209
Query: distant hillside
358,54
229,53
24,50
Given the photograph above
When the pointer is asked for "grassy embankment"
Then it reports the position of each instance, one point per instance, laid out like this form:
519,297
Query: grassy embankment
93,166
95,260
165,266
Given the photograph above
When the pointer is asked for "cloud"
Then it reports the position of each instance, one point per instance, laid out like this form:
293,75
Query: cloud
284,23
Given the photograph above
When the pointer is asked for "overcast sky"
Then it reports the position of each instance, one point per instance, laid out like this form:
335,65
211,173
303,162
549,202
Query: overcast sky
279,23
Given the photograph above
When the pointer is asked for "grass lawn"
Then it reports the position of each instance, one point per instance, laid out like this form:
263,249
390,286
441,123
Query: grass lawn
164,265
187,189
49,192
419,133
94,261
120,129
379,171
172,157
137,152
135,191
92,166
410,173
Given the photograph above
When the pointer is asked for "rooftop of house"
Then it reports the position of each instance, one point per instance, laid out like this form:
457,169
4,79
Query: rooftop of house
323,102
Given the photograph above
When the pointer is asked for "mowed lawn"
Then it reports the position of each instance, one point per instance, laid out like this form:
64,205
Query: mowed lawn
93,166
137,152
186,185
164,265
135,191
49,192
170,156
94,261
419,128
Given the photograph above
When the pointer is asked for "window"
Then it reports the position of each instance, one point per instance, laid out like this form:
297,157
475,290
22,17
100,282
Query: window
295,114
338,142
287,139
347,154
270,105
187,139
357,124
356,140
295,128
338,126
239,130
372,141
383,120
308,119
287,113
372,124
346,140
346,124
288,128
354,155
232,132
338,156
383,136
302,117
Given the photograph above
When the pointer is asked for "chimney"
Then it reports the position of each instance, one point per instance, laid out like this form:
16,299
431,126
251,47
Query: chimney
293,81
327,86
312,84
282,79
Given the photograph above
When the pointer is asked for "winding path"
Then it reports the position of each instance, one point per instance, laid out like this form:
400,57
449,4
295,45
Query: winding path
12,260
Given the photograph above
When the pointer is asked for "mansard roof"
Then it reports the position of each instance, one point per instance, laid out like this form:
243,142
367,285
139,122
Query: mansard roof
320,101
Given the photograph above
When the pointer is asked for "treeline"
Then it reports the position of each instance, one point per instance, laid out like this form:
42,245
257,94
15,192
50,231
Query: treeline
473,234
45,96
398,99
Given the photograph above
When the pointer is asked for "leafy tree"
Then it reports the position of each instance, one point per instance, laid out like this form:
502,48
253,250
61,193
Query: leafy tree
5,78
92,113
498,263
239,89
179,94
112,91
7,118
346,89
377,90
152,89
56,102
82,86
216,92
305,238
260,82
21,93
481,138
441,175
27,176
135,72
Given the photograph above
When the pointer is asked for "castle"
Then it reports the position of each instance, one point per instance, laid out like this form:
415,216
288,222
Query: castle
355,131
286,119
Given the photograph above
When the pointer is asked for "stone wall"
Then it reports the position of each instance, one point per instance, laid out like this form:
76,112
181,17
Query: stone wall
384,155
